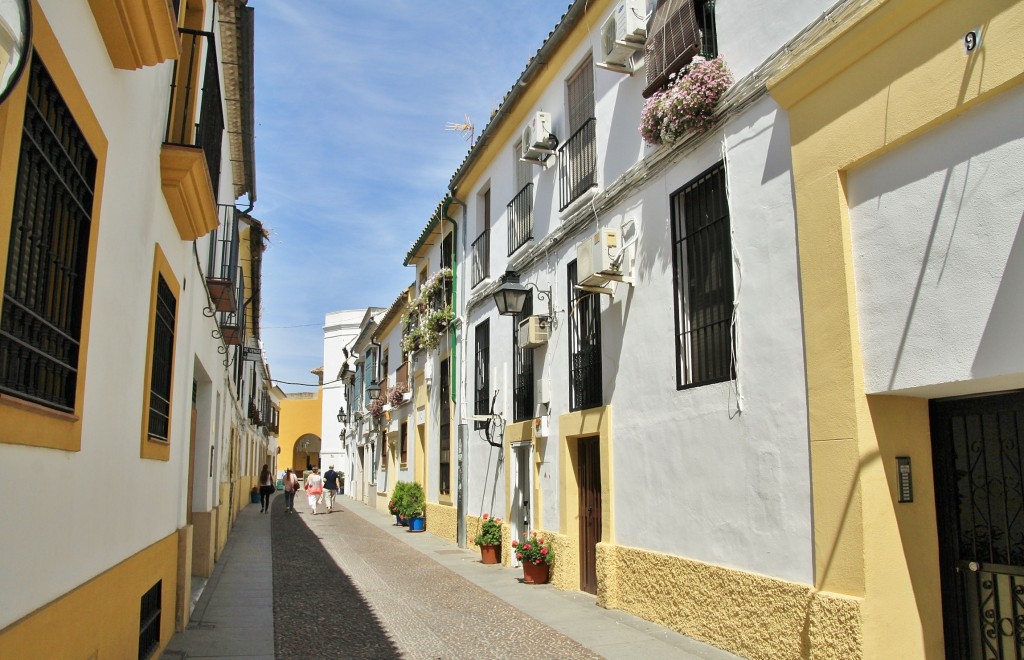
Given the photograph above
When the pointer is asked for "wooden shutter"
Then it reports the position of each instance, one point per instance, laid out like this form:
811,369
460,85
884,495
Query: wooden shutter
673,39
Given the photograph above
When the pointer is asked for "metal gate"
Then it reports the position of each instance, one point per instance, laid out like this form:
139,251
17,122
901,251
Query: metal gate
979,486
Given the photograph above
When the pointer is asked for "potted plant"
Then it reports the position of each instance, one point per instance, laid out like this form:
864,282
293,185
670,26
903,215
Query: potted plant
489,540
687,104
412,505
254,495
536,554
395,503
396,395
376,407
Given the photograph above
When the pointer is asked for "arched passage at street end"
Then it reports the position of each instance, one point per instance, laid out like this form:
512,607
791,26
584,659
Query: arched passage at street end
300,432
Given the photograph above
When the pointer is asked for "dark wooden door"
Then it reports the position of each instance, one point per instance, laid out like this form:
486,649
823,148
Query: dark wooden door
590,511
979,493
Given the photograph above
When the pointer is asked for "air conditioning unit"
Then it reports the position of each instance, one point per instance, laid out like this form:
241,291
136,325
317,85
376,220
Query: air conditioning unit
538,140
533,332
624,32
595,258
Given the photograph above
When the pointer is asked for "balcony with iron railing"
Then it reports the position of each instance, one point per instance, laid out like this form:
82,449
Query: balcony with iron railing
232,322
191,154
520,219
480,257
222,264
577,163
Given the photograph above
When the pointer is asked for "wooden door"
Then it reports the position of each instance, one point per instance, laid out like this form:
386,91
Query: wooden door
590,511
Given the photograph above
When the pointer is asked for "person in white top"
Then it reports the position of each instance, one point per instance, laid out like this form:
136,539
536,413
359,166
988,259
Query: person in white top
314,488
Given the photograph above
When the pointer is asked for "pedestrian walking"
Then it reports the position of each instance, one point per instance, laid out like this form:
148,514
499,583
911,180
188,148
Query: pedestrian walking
291,484
314,488
331,482
266,488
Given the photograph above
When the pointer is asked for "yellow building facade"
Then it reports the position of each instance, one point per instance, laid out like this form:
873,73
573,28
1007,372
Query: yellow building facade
300,432
888,85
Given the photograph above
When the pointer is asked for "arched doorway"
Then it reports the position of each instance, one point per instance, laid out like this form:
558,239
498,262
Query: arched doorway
306,453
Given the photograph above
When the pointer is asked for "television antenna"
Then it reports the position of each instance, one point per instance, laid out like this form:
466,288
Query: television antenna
467,129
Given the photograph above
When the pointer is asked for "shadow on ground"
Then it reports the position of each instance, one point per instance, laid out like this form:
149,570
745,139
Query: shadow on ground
318,612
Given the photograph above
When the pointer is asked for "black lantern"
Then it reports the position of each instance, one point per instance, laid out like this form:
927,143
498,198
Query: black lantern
373,390
510,297
16,40
341,415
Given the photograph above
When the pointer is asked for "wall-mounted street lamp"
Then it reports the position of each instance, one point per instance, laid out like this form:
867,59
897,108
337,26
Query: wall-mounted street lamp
15,43
341,415
373,390
510,297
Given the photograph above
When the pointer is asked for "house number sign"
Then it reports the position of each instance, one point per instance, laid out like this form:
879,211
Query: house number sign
905,482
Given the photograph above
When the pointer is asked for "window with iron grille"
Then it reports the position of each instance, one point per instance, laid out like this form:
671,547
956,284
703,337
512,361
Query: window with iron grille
403,444
522,369
149,621
584,346
444,453
162,361
679,29
520,209
481,381
577,157
41,322
702,267
481,247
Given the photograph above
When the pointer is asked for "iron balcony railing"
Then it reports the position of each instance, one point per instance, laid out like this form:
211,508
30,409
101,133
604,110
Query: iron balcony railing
222,263
577,163
520,219
196,83
481,257
232,322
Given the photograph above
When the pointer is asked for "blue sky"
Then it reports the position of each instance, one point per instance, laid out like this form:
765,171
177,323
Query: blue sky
352,155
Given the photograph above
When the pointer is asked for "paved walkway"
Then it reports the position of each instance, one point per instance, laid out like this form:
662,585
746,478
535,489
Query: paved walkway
352,585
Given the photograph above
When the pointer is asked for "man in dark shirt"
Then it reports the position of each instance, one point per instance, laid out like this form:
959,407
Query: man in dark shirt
330,487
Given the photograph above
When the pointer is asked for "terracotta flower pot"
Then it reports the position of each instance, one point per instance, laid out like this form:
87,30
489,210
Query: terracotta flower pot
535,573
490,554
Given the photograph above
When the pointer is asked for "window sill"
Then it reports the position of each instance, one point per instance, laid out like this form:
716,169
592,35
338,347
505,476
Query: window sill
156,449
35,425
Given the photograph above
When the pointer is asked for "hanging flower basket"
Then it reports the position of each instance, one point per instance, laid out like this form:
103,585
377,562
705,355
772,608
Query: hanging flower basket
687,104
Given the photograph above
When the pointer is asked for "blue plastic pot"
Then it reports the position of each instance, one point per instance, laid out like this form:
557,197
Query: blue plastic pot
417,524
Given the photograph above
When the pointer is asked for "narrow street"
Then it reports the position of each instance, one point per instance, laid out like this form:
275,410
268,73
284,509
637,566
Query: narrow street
350,585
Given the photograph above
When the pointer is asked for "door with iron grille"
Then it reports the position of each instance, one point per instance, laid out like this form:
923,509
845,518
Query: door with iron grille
590,511
979,486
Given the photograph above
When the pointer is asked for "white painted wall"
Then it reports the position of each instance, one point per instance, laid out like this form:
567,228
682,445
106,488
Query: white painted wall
104,503
939,257
718,473
340,329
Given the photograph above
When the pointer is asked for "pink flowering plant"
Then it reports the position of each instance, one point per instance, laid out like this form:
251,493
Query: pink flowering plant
490,531
687,103
533,550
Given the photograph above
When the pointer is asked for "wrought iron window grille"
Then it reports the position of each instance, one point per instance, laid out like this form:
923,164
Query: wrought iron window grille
577,163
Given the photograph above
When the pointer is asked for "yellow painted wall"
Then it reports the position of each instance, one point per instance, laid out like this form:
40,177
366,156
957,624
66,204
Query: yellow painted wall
442,521
100,619
751,615
298,417
887,76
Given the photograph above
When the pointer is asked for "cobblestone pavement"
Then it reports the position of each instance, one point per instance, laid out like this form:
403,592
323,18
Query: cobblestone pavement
344,588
